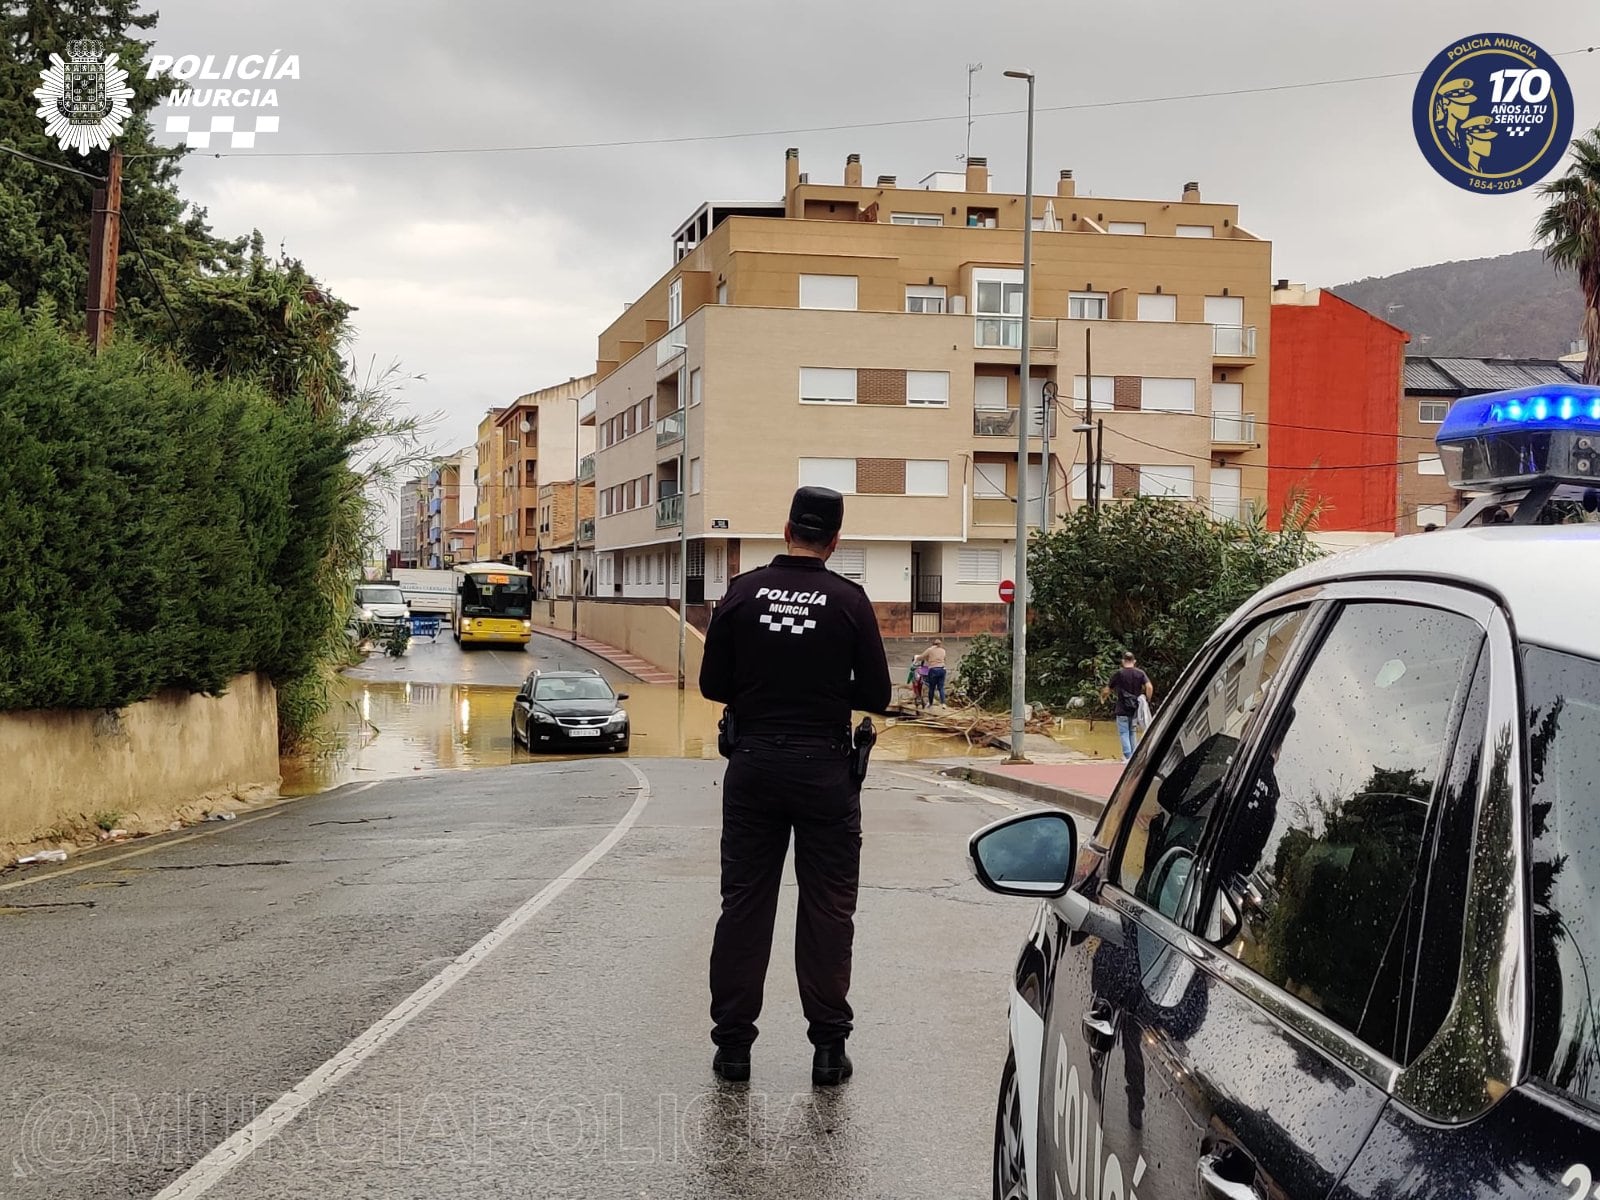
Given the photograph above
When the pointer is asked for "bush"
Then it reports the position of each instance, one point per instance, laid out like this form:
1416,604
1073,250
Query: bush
398,638
164,530
983,676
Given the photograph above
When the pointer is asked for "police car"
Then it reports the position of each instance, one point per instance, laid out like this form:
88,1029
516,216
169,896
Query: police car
1337,932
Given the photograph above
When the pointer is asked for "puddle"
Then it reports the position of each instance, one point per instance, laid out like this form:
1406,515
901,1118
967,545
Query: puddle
1097,739
390,729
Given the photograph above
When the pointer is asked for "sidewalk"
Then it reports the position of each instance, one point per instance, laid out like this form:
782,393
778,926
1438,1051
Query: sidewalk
1080,785
621,659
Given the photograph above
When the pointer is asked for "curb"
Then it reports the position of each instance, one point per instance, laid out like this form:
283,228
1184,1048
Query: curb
1079,803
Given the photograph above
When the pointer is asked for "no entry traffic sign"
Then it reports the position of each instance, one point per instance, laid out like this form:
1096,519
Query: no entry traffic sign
1008,591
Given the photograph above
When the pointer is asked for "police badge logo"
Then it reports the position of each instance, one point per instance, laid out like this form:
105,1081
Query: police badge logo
84,101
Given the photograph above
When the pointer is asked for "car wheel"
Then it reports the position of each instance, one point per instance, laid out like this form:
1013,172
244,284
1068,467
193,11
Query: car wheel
1010,1169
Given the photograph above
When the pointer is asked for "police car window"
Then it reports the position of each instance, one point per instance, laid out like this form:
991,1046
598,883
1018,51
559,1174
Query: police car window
1563,696
1322,848
1159,847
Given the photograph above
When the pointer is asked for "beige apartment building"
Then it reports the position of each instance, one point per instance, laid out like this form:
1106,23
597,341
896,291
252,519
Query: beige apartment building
866,338
537,439
449,498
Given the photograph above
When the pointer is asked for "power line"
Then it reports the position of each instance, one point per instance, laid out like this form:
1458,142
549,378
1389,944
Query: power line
144,262
55,166
682,139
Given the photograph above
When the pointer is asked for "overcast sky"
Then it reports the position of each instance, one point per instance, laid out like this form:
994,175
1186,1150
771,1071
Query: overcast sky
492,274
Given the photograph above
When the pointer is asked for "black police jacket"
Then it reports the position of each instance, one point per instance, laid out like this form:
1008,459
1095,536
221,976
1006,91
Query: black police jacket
794,648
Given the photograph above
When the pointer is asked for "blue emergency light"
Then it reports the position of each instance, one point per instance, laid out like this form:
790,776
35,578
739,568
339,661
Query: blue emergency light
1522,437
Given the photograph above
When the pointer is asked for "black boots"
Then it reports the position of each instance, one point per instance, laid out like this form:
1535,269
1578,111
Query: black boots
830,1065
732,1063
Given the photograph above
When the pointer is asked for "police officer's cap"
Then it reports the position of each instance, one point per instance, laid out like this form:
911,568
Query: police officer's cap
817,510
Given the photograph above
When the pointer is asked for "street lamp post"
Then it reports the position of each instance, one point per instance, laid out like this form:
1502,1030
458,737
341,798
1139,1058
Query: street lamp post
684,399
1019,623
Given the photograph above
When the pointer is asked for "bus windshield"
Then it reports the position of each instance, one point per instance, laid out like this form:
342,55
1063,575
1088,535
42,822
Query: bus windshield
493,595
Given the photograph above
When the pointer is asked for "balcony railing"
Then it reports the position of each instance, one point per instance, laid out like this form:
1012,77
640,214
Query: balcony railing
1004,333
1233,341
1002,422
669,511
586,468
670,346
1233,427
669,428
586,531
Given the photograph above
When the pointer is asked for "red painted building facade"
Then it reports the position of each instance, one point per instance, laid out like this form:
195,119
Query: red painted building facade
1334,411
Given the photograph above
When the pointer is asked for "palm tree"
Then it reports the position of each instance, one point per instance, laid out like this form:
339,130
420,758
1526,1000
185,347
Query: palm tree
1569,231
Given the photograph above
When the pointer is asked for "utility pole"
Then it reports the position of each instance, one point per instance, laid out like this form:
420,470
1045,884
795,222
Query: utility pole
1019,641
105,229
577,486
684,400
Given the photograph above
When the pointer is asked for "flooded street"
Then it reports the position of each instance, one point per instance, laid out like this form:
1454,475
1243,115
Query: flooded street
440,708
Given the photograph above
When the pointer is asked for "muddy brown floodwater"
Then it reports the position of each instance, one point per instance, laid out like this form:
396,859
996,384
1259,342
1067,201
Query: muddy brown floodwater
382,730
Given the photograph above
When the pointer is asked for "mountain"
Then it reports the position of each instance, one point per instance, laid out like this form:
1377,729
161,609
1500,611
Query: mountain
1512,305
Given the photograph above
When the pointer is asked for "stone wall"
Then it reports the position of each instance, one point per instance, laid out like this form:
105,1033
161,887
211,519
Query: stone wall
148,764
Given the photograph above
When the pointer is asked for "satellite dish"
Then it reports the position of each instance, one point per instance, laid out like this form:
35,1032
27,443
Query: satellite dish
527,425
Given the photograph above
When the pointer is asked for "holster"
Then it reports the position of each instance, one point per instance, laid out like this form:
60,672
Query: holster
727,733
866,736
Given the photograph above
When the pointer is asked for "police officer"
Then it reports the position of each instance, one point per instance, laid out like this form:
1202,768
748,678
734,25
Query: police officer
791,650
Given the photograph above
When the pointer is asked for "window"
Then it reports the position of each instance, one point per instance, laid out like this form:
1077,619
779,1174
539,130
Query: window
1078,481
849,561
1225,493
1432,412
827,385
1200,231
915,219
1432,514
1563,694
722,293
977,566
1125,227
1087,306
921,299
828,291
1323,855
695,474
989,481
990,392
1158,308
998,306
1166,395
696,384
1104,395
675,302
927,477
1160,841
1429,464
1175,482
1224,310
836,473
927,387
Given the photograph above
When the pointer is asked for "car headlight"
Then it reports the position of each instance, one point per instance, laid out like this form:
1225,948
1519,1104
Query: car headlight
617,718
364,614
542,717
528,625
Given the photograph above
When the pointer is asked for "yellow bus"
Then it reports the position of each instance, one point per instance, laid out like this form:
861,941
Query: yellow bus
494,603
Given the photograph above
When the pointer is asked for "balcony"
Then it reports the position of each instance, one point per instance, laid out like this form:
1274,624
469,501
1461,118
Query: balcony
992,332
669,512
1233,341
586,468
586,531
669,428
670,346
1002,422
1233,429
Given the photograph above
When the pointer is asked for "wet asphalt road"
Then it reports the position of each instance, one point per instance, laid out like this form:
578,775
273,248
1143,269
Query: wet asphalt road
442,661
161,996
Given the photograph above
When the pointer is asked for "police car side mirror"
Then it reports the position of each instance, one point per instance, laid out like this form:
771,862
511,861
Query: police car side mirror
1031,854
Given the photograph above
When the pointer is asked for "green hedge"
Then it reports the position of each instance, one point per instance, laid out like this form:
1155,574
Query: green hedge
156,530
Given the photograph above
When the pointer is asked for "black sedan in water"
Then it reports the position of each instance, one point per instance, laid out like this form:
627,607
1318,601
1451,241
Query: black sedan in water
569,710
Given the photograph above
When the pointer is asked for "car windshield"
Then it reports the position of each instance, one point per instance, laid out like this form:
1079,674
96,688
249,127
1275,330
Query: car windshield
380,595
585,688
492,594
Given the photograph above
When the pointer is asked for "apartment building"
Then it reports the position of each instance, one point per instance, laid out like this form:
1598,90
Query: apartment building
451,500
487,512
410,507
1336,383
562,508
537,439
867,337
1432,386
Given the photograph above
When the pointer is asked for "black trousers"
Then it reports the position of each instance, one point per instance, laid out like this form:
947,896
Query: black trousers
774,786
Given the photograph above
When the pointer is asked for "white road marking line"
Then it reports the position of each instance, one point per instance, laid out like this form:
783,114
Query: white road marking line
217,1165
961,787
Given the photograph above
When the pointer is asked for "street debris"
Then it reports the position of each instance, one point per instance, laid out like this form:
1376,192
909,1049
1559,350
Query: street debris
978,727
219,816
43,856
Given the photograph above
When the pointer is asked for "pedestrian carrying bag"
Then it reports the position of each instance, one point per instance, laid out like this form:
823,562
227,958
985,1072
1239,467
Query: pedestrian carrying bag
1141,715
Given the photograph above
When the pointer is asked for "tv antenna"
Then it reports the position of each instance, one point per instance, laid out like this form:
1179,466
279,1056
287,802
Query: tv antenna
972,69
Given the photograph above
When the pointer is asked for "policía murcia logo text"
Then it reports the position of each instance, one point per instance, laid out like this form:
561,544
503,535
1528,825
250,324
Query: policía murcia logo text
83,99
1492,113
231,92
